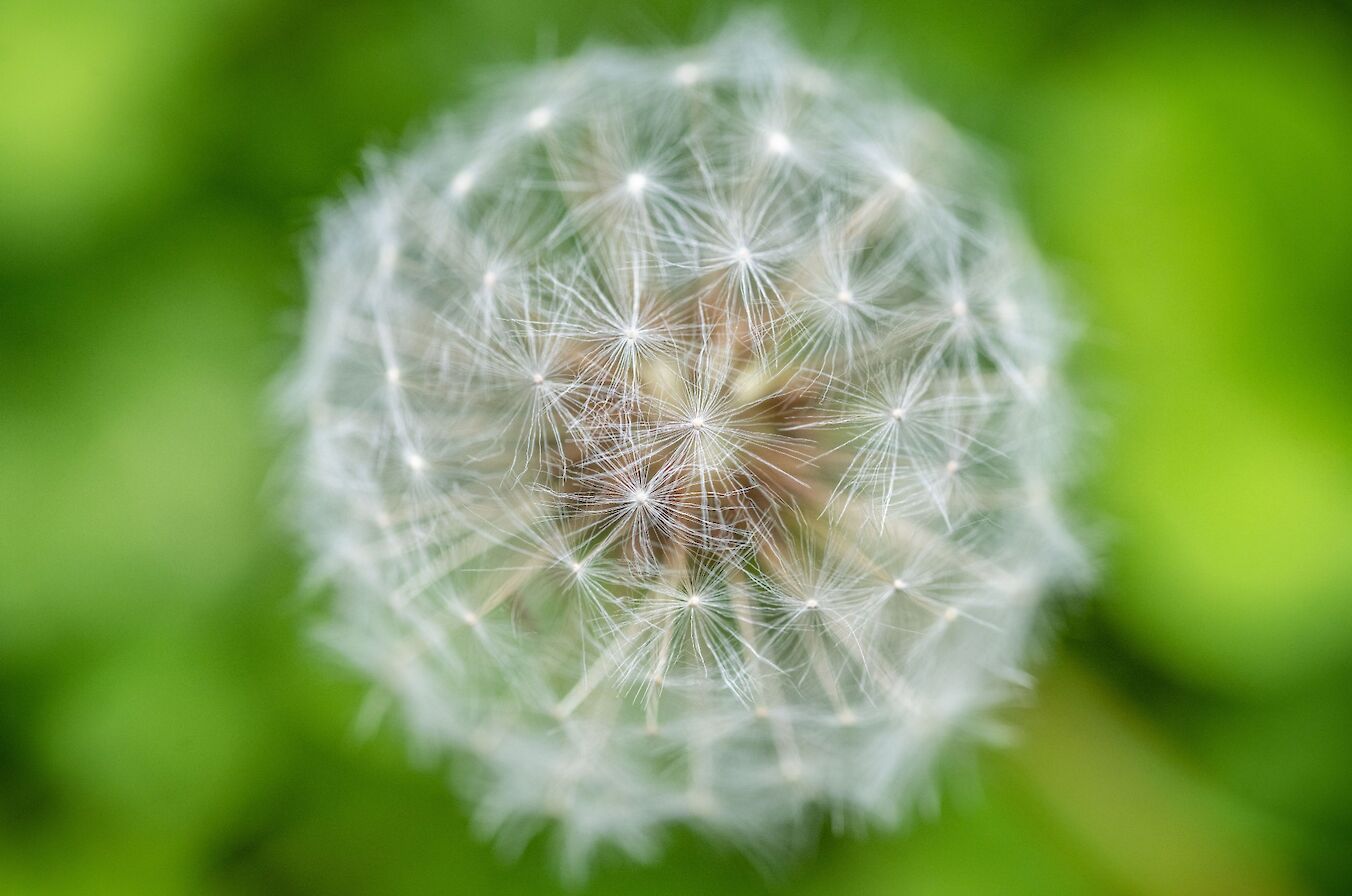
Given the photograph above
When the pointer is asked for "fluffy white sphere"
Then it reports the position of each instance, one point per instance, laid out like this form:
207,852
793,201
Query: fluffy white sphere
683,441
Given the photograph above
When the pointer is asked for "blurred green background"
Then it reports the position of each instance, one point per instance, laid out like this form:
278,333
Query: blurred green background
165,726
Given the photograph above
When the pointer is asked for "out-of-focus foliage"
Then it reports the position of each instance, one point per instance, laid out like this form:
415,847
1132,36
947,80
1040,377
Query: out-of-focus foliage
164,727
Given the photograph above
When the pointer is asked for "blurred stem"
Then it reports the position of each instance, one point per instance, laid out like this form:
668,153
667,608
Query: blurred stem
1117,788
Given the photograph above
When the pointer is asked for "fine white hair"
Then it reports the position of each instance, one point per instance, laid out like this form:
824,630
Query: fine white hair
683,438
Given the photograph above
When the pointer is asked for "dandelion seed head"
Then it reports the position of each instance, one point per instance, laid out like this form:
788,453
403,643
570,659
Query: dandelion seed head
708,456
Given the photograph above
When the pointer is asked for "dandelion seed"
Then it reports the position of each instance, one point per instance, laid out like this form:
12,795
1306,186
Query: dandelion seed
461,183
902,180
539,118
686,74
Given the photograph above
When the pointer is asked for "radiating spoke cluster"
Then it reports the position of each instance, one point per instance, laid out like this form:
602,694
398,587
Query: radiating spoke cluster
683,439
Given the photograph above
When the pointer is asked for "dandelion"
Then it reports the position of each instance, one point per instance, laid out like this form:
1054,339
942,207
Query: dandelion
683,440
